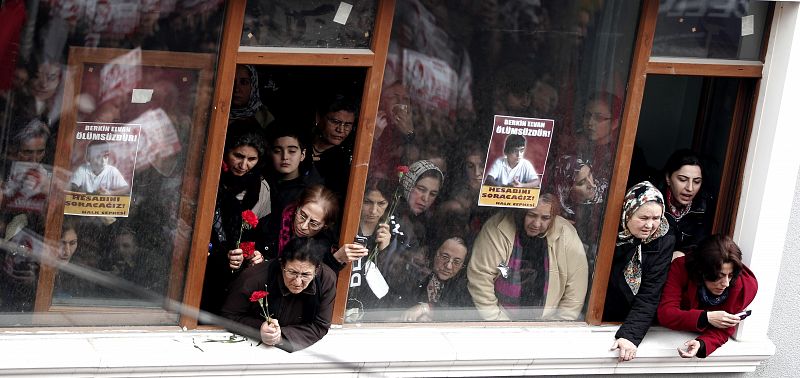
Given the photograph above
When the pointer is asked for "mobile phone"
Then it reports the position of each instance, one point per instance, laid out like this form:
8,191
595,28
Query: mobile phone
744,314
360,239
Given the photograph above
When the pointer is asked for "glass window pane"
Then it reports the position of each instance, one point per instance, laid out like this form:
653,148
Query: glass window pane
711,29
315,23
491,107
103,119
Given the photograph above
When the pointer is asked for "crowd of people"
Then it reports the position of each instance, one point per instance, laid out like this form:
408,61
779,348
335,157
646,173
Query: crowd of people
424,251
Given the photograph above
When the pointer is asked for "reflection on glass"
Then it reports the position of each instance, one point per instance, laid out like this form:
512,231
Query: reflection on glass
317,23
453,69
134,131
710,29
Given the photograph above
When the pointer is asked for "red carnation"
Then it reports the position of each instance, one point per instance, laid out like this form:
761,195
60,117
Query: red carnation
402,169
258,295
248,249
249,217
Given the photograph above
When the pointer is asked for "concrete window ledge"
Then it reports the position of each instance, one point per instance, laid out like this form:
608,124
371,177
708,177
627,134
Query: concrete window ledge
399,351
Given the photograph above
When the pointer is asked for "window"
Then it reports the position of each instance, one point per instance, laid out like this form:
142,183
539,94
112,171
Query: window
103,127
461,87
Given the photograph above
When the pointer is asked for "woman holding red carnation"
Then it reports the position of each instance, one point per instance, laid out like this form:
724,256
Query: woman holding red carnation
241,188
298,306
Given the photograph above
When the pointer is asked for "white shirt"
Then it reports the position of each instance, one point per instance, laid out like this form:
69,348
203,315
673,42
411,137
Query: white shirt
503,174
86,181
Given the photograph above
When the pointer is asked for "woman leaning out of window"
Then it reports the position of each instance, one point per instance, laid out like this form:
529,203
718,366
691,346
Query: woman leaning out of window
296,292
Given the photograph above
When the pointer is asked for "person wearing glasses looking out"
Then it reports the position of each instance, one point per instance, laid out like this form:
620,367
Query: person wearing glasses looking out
331,147
528,265
300,294
600,129
445,288
311,217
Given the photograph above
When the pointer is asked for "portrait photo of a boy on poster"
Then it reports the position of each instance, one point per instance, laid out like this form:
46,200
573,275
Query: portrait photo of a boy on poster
515,161
103,160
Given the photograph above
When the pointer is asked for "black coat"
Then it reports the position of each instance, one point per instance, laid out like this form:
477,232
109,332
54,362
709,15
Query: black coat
637,312
304,318
695,225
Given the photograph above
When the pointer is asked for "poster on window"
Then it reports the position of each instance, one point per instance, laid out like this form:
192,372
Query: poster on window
103,160
515,161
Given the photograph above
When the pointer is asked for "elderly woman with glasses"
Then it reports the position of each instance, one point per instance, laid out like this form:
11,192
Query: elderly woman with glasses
443,294
298,292
528,265
312,216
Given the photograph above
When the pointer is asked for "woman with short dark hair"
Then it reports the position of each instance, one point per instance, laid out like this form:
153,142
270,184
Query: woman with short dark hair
705,293
299,297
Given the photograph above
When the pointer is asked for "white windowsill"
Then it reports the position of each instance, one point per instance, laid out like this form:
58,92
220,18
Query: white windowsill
401,351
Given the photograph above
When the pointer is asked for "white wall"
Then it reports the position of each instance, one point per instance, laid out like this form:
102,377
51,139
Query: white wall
784,321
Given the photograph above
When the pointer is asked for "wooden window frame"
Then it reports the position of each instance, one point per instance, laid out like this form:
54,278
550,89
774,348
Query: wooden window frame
738,141
374,60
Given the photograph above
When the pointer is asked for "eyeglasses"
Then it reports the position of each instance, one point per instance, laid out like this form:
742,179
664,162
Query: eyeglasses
597,117
446,259
302,217
339,123
293,274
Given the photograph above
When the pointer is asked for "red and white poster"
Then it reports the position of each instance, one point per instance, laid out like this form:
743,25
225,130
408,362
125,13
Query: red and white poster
515,161
103,160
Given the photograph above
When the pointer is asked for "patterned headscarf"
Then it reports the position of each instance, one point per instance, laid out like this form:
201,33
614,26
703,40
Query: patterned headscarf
414,172
635,198
566,170
255,98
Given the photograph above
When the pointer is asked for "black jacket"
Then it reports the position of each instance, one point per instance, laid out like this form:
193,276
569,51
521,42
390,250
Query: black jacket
637,312
304,318
695,225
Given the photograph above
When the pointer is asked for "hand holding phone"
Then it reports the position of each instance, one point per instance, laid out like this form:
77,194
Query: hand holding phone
744,314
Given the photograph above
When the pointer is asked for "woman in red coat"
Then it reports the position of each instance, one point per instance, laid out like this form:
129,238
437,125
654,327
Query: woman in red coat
705,292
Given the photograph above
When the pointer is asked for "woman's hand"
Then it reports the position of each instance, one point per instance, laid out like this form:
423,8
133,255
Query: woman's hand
418,313
257,258
383,236
350,252
271,332
235,258
692,346
627,351
722,319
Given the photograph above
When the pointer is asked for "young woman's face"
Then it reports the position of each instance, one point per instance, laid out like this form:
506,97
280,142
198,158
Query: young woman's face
537,220
69,244
241,159
449,259
598,122
584,187
475,171
336,126
287,155
645,220
685,184
242,85
298,274
309,219
46,80
374,206
423,194
723,281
